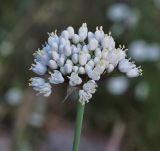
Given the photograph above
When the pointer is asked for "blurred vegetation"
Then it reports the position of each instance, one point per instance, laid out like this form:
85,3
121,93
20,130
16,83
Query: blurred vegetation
23,28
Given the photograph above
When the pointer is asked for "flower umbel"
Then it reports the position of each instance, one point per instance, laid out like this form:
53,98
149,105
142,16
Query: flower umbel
79,59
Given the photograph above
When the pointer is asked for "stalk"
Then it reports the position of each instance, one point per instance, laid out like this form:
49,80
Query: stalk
79,120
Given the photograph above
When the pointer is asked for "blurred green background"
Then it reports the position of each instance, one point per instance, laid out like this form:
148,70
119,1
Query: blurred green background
124,114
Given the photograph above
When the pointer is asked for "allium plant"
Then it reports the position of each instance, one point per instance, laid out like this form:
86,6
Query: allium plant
79,60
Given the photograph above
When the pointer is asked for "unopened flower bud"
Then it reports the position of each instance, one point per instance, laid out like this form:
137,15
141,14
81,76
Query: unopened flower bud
75,38
39,68
52,64
96,60
88,68
60,61
108,42
75,69
91,63
82,58
81,70
93,44
55,55
110,68
75,58
83,31
70,31
74,79
98,53
56,77
68,68
67,51
65,34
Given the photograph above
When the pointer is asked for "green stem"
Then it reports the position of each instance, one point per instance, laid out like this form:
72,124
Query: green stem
79,120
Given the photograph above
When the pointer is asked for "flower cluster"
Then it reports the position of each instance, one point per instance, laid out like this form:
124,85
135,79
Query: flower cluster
79,59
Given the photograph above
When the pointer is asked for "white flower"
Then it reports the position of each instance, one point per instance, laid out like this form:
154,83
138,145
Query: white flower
112,57
84,97
53,41
47,49
65,34
88,68
54,46
36,82
83,31
99,34
42,56
94,74
104,53
60,61
75,38
69,61
81,70
56,77
96,60
67,50
39,68
125,65
75,69
74,79
121,54
90,35
68,68
88,56
62,70
101,65
134,72
55,55
74,49
98,53
93,44
75,58
90,86
39,85
45,89
91,63
53,38
62,42
108,42
85,49
115,56
70,31
110,68
52,64
82,58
